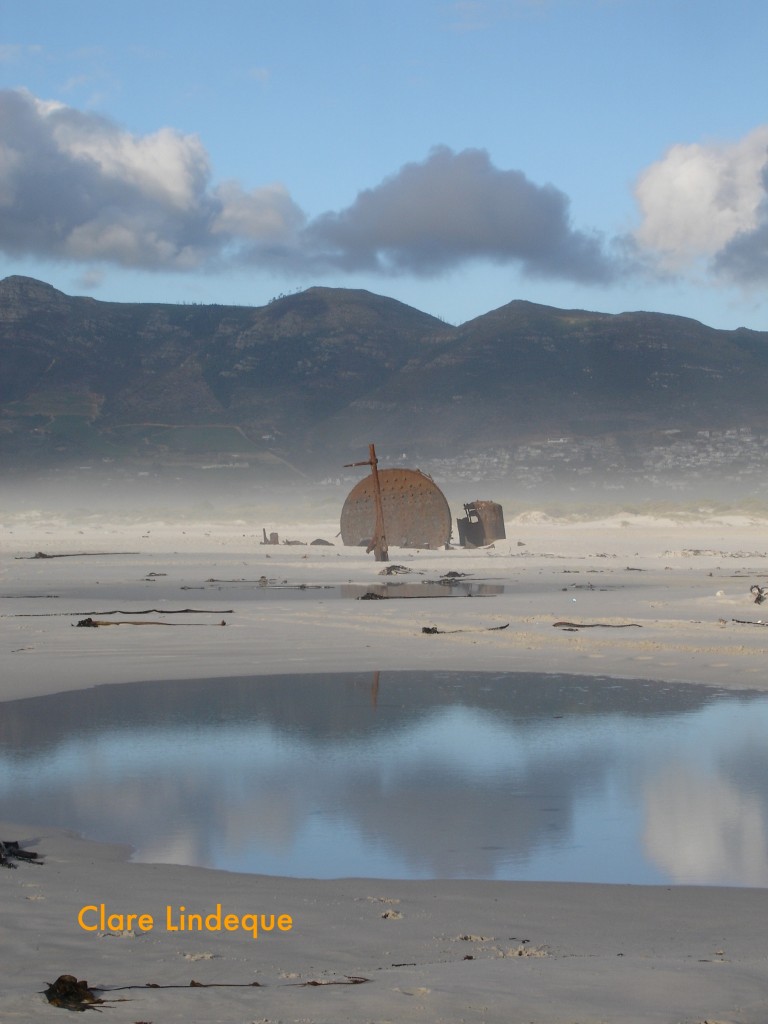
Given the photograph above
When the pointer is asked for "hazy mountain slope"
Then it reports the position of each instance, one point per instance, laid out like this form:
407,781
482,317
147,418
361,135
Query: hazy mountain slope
526,370
312,377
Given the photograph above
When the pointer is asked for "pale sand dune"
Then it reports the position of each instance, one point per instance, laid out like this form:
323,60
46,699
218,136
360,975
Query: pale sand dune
607,953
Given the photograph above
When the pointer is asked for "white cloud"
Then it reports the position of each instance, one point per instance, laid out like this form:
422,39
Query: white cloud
699,197
165,166
77,186
262,214
701,830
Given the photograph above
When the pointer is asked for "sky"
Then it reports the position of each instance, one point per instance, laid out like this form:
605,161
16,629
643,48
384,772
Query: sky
453,154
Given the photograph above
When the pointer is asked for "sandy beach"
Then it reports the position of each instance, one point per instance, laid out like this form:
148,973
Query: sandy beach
438,950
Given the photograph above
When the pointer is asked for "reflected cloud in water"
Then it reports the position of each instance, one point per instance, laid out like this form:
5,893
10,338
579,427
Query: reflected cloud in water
404,775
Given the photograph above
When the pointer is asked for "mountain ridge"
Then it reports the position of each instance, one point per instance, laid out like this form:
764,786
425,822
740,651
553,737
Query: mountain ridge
310,378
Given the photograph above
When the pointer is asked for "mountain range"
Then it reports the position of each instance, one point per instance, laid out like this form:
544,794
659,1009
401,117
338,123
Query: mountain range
305,382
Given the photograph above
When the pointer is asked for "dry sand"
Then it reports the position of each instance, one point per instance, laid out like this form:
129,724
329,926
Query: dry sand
429,951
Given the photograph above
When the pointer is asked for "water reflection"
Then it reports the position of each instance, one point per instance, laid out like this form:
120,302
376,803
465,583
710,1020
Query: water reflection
408,774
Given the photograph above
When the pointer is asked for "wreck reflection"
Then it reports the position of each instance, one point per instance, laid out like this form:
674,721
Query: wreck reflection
404,774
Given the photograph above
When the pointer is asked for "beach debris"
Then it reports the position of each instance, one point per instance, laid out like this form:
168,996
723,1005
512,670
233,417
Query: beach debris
10,851
432,630
373,596
70,994
748,622
584,586
594,625
272,539
483,522
196,984
73,554
395,570
523,950
348,979
91,623
119,611
759,593
321,542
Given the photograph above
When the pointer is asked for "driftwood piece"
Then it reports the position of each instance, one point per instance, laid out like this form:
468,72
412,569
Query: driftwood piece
218,984
120,611
349,979
432,630
91,623
748,622
73,554
595,625
192,984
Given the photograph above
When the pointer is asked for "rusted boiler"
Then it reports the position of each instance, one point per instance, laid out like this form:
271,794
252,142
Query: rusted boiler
416,513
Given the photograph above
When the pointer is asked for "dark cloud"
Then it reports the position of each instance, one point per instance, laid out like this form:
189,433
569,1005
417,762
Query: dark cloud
745,258
454,207
76,186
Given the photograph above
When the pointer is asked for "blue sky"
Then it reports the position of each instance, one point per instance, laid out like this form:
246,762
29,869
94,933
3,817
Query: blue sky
598,154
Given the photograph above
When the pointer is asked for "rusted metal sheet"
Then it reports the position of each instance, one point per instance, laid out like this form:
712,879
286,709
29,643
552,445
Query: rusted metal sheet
483,524
416,513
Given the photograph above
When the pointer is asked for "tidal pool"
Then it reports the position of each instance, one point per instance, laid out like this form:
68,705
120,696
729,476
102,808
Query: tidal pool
405,775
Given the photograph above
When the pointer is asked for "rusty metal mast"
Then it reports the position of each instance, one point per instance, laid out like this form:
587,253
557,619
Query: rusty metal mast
378,542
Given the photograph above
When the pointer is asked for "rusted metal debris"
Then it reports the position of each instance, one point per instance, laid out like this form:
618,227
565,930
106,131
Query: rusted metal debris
378,540
483,523
416,513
